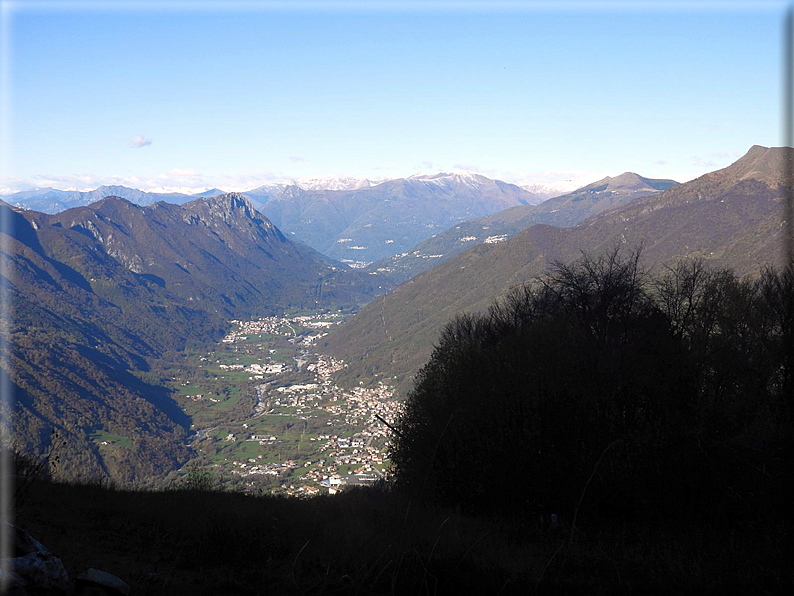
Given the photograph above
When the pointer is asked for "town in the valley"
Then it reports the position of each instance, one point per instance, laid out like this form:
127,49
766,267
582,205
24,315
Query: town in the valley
268,416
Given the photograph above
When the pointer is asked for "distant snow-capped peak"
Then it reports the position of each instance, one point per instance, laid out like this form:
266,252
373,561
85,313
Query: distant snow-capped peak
552,189
341,183
443,178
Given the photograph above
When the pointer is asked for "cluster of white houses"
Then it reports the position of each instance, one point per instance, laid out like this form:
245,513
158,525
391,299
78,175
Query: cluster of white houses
350,451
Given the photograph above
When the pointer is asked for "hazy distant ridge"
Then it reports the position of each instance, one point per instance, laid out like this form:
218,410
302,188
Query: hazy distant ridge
565,210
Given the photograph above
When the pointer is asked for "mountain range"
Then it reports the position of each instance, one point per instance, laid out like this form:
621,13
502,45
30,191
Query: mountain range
366,224
353,220
51,200
337,183
730,217
562,211
97,292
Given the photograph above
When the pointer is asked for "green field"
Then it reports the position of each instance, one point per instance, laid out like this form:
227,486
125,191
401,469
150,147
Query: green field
229,397
100,436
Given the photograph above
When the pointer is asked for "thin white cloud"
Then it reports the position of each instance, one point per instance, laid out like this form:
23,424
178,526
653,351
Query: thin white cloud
174,180
559,179
140,141
297,159
718,159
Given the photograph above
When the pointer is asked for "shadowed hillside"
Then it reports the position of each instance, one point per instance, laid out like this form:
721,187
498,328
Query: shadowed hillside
371,541
97,292
682,377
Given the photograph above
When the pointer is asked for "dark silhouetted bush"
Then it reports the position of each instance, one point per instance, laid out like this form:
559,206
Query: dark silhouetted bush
676,381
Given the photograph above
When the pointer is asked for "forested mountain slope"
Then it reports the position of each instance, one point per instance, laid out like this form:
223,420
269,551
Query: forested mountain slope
95,293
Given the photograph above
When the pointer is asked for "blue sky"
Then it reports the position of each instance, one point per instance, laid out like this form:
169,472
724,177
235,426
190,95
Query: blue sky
194,95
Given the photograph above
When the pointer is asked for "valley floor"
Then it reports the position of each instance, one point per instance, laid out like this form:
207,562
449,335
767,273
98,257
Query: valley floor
267,415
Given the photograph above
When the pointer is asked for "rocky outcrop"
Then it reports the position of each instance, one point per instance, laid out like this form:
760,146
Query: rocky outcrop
100,583
33,568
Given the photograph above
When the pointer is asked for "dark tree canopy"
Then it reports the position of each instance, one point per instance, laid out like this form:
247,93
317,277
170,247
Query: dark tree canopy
680,377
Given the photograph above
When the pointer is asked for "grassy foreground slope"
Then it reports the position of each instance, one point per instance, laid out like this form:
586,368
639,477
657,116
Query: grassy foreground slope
371,541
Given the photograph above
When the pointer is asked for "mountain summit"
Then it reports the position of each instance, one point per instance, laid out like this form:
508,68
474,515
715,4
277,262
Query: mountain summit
627,181
218,252
232,208
766,164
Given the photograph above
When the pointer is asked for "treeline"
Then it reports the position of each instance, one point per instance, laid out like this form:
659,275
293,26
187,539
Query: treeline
607,393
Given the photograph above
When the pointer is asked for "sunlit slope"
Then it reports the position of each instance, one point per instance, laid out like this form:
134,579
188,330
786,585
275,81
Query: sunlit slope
562,211
730,217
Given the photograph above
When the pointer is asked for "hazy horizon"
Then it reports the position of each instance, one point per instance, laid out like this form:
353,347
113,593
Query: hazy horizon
184,97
